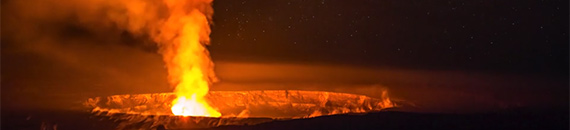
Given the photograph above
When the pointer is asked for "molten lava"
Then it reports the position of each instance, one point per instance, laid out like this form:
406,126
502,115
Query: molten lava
183,37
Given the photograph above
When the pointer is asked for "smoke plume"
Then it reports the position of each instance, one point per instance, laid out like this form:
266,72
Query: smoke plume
47,26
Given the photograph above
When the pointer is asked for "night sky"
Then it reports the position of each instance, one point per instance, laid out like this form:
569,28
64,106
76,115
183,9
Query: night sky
509,35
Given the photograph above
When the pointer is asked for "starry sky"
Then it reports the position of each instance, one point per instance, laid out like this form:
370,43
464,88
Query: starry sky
479,35
482,35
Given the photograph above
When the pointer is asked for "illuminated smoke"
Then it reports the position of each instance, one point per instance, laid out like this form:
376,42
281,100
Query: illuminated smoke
181,29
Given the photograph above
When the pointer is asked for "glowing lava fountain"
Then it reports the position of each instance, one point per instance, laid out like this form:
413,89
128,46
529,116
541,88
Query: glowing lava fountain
183,37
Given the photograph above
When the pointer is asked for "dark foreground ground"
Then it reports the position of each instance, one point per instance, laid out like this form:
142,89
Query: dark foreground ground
502,120
512,119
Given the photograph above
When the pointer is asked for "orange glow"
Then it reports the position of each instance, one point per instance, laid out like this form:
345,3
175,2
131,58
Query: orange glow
184,35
